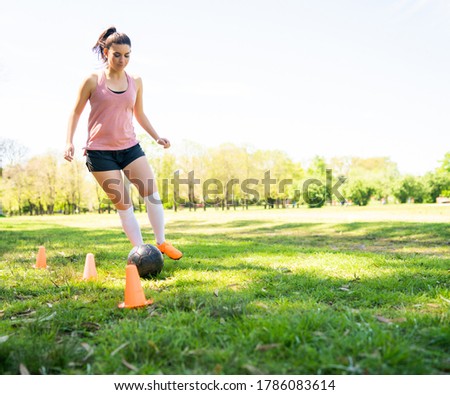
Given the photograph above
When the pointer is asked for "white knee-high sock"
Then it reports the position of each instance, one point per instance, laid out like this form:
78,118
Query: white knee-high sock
155,214
131,226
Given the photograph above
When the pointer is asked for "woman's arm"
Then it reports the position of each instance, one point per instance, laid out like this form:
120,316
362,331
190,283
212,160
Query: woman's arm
142,118
84,93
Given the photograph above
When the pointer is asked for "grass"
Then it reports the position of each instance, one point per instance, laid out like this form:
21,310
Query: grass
337,290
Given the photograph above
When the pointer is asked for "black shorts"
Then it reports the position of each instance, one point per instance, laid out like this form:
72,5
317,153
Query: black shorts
102,160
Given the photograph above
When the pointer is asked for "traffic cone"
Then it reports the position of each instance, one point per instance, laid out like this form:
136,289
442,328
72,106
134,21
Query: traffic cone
41,259
134,294
90,272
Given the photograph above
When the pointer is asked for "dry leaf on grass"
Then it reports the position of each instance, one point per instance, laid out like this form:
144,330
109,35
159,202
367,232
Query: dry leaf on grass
118,349
153,345
262,305
252,370
266,347
23,370
390,320
130,366
91,326
24,313
89,350
48,317
23,297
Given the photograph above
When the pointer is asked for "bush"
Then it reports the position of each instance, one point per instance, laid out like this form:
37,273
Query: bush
410,188
359,192
315,195
435,185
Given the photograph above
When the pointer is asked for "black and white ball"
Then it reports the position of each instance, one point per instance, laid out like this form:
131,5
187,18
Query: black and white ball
148,260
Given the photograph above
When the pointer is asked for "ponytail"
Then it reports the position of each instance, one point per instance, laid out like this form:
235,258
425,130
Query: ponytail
107,38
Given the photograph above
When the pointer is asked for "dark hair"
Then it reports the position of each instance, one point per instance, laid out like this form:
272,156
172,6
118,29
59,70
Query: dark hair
107,38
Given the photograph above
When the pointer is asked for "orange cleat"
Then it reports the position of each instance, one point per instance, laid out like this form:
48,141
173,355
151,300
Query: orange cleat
170,251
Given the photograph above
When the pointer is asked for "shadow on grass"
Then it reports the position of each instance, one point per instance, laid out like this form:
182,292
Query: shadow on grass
216,312
190,329
435,233
67,247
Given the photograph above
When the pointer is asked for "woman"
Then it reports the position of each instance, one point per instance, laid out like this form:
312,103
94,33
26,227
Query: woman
112,149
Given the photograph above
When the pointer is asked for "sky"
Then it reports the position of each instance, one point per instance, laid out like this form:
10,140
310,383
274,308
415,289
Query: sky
308,77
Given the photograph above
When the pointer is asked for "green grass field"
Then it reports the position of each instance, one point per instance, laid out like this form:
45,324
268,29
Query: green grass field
337,290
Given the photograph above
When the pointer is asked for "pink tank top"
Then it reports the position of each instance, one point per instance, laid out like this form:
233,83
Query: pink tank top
110,125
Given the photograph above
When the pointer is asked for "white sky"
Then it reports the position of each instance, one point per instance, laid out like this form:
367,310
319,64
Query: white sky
309,77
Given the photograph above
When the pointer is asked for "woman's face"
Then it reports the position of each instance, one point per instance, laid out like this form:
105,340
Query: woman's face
118,56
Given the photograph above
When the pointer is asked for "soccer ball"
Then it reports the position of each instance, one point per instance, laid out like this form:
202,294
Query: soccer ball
148,260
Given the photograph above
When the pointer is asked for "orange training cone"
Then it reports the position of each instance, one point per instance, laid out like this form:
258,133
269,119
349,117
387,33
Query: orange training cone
134,294
90,272
41,259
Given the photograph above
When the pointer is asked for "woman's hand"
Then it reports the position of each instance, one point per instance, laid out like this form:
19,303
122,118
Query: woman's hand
69,151
164,142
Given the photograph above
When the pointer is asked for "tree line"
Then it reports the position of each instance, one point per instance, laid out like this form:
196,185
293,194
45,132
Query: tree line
224,176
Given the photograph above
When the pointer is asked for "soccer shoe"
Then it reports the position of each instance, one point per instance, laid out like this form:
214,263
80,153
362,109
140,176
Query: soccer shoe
170,251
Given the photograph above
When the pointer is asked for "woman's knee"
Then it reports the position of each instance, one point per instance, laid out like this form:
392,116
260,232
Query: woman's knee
141,175
122,206
150,191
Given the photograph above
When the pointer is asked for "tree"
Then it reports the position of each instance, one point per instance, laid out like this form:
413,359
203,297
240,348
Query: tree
192,170
445,167
409,189
11,152
315,194
359,192
14,184
165,168
286,173
73,189
378,172
42,175
316,184
435,183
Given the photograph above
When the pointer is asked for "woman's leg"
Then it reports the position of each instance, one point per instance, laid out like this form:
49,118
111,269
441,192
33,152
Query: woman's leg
141,175
113,184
